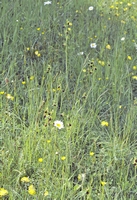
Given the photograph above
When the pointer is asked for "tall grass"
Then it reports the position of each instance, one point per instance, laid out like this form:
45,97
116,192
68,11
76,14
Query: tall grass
49,72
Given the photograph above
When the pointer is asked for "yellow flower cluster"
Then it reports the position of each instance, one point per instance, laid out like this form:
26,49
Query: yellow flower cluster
104,123
3,192
9,97
25,179
31,188
37,53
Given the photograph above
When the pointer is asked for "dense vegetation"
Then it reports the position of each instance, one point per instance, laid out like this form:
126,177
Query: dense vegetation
68,100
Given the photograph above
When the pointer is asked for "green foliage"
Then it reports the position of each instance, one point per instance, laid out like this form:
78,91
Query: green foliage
50,71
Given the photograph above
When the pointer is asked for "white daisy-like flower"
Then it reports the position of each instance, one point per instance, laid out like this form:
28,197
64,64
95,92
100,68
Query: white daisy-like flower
123,38
135,46
58,124
80,53
91,8
93,45
47,3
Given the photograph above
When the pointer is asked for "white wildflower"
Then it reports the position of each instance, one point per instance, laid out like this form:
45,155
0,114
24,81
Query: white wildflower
58,124
91,8
123,38
93,45
80,53
47,3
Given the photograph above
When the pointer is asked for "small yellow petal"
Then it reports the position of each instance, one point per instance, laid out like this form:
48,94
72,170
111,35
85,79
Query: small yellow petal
103,183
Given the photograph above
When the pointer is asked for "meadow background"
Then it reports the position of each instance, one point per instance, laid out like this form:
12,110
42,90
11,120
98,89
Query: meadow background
76,62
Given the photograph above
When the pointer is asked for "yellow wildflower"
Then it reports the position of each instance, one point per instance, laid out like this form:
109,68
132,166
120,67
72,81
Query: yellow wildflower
23,82
84,70
63,158
134,67
123,22
36,53
69,29
112,6
70,23
10,97
134,77
132,17
40,160
103,183
25,179
125,9
46,193
3,192
91,153
31,78
101,62
104,123
32,190
129,4
58,88
108,46
129,58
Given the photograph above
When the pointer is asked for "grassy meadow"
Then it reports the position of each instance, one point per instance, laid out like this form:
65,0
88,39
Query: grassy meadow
68,100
